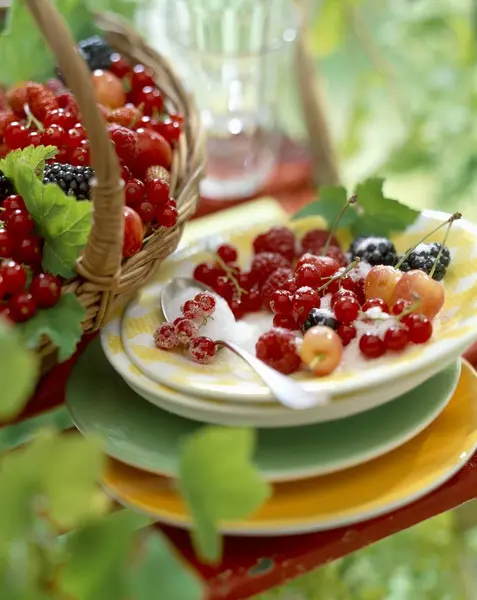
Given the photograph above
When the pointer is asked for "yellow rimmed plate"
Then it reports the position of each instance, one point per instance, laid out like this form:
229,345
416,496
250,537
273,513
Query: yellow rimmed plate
344,498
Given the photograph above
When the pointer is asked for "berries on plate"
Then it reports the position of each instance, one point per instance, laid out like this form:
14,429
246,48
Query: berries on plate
202,350
278,240
320,316
371,345
206,303
165,337
374,250
186,330
423,258
278,349
322,350
278,280
266,263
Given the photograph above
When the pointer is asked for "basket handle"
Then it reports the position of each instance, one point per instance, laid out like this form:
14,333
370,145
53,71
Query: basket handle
101,261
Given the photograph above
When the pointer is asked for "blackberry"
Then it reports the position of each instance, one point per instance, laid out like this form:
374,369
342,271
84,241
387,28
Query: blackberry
320,316
424,257
96,52
374,250
74,181
6,188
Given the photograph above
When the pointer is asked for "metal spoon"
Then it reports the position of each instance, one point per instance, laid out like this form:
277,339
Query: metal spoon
287,391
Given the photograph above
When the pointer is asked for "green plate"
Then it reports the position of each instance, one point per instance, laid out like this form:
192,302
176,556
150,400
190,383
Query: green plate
144,436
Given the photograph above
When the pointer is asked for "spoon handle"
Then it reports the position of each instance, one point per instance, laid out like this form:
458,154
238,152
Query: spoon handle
287,391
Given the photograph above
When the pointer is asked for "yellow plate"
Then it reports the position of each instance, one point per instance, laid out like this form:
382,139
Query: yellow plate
320,503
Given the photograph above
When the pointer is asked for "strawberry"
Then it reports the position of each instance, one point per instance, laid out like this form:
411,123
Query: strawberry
125,142
6,117
160,173
152,150
17,98
127,115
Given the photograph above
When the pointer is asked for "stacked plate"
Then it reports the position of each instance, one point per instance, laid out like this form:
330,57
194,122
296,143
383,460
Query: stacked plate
393,430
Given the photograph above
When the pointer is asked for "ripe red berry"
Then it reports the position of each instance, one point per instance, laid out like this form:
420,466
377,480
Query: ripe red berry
276,281
125,142
186,330
134,192
141,77
346,309
304,299
12,203
157,192
206,303
400,306
224,288
35,138
203,273
22,307
125,173
420,328
54,135
251,301
146,211
20,223
266,263
119,66
151,99
371,346
281,302
28,251
327,266
277,348
278,240
315,239
191,310
347,333
308,275
376,303
16,135
74,137
237,308
165,337
285,322
61,117
168,214
202,350
45,289
80,157
396,337
342,293
227,253
290,285
170,129
6,244
14,277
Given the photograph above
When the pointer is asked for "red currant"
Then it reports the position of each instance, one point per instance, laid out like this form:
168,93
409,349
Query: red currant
400,306
227,253
20,223
202,350
134,192
14,277
119,66
75,136
342,294
290,286
170,129
347,333
54,135
371,345
141,77
346,309
16,135
35,138
308,275
304,299
285,322
396,337
165,337
281,302
376,303
22,307
206,303
6,244
80,157
237,308
167,215
420,328
224,288
203,273
125,174
157,192
61,117
191,310
252,301
186,330
146,211
12,203
45,289
151,99
28,251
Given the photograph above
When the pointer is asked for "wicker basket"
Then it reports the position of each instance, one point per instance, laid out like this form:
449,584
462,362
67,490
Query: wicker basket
104,279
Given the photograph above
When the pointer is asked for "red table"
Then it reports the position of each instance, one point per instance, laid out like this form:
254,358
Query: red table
254,565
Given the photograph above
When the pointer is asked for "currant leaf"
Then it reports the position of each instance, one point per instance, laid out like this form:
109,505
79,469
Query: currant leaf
63,222
61,324
35,156
219,482
332,199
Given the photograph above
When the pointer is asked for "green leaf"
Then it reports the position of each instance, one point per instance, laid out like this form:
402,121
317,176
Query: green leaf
331,202
61,324
219,482
382,215
18,372
35,156
162,568
62,221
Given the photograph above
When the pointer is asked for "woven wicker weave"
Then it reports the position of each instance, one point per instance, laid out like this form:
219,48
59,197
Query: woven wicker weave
104,280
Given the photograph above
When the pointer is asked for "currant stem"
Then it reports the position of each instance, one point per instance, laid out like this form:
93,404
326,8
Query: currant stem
439,254
334,227
32,119
349,268
456,216
230,275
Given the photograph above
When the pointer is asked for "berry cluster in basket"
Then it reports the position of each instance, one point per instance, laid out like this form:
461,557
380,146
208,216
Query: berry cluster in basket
184,331
367,298
142,131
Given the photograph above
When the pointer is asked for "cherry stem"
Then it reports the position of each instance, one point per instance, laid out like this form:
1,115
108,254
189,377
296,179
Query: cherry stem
32,119
349,268
456,216
320,357
230,275
334,227
410,309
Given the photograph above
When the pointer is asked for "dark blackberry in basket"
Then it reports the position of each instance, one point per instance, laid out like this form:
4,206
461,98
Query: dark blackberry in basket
374,250
6,187
96,51
320,316
423,258
74,181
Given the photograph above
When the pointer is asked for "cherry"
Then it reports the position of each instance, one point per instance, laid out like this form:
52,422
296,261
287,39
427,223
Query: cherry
14,277
54,135
417,284
396,337
22,307
371,345
281,302
168,215
16,135
376,303
227,253
28,251
133,232
308,275
20,223
6,244
304,299
146,211
157,191
420,328
322,350
346,309
134,192
119,66
380,282
285,322
45,289
347,333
